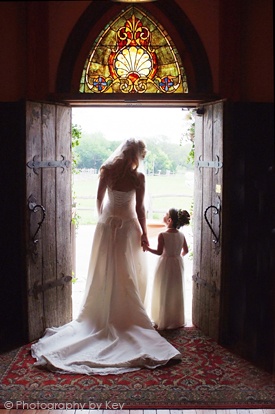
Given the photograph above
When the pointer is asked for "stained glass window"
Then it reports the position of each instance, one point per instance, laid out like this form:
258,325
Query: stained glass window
133,54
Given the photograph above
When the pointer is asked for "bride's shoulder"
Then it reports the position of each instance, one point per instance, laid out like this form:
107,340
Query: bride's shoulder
140,180
141,176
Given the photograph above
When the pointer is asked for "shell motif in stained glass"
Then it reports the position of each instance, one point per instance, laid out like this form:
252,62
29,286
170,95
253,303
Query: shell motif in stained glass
133,59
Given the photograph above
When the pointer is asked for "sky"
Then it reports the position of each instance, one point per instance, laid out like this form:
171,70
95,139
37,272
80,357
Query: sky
122,123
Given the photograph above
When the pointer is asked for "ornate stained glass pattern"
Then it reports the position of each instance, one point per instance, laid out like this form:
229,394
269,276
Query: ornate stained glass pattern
133,54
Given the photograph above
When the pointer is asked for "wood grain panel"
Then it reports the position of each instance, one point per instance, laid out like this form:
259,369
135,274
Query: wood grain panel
48,138
217,187
207,254
33,188
206,241
63,214
197,223
49,227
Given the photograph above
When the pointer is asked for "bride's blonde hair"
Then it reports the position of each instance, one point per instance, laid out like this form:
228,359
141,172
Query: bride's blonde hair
125,160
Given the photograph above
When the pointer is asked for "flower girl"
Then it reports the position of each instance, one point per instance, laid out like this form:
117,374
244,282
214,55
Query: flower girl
167,309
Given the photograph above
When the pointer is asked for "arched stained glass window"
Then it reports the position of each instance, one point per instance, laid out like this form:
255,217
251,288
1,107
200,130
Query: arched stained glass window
133,54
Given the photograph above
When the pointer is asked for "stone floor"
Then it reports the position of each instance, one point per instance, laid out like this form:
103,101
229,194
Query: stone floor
84,237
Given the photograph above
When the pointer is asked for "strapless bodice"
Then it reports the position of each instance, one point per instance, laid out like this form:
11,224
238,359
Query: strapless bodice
120,204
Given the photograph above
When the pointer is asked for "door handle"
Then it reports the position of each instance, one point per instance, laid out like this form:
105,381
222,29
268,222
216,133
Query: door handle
34,207
217,210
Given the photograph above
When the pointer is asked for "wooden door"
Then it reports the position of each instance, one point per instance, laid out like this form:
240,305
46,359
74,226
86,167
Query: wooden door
48,216
208,218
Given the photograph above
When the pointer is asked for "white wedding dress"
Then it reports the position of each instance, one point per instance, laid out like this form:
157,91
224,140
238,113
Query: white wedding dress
113,333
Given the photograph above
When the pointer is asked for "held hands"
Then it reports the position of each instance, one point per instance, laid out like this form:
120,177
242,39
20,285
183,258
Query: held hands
144,242
145,247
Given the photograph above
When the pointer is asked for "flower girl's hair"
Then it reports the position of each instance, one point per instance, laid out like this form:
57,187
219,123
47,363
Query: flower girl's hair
179,217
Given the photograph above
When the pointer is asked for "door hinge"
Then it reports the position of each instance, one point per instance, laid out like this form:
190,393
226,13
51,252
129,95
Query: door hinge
36,289
34,164
217,164
209,286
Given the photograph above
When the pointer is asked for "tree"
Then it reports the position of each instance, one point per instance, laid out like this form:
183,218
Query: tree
94,150
189,135
76,136
164,155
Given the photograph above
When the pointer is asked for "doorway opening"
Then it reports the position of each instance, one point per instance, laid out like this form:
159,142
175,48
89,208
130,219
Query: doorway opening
169,170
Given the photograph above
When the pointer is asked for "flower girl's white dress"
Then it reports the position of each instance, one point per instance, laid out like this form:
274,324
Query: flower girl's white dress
168,287
112,333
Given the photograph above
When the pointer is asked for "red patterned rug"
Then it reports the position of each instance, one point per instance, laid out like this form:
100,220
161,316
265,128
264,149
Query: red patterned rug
208,376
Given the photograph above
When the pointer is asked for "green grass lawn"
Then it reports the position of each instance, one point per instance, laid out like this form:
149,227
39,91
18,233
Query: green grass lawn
162,193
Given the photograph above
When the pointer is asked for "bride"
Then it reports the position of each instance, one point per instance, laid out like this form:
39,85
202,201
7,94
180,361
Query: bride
113,333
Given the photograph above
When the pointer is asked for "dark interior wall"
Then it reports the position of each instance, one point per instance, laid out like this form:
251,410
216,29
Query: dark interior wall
249,287
12,207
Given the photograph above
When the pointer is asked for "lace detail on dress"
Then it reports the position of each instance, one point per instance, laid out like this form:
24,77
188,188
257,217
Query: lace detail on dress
119,204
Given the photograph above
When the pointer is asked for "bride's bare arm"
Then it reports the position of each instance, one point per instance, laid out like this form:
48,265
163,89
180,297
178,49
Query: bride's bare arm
101,190
140,209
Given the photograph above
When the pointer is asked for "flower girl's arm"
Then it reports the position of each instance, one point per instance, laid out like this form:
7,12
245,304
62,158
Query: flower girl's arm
159,249
185,249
